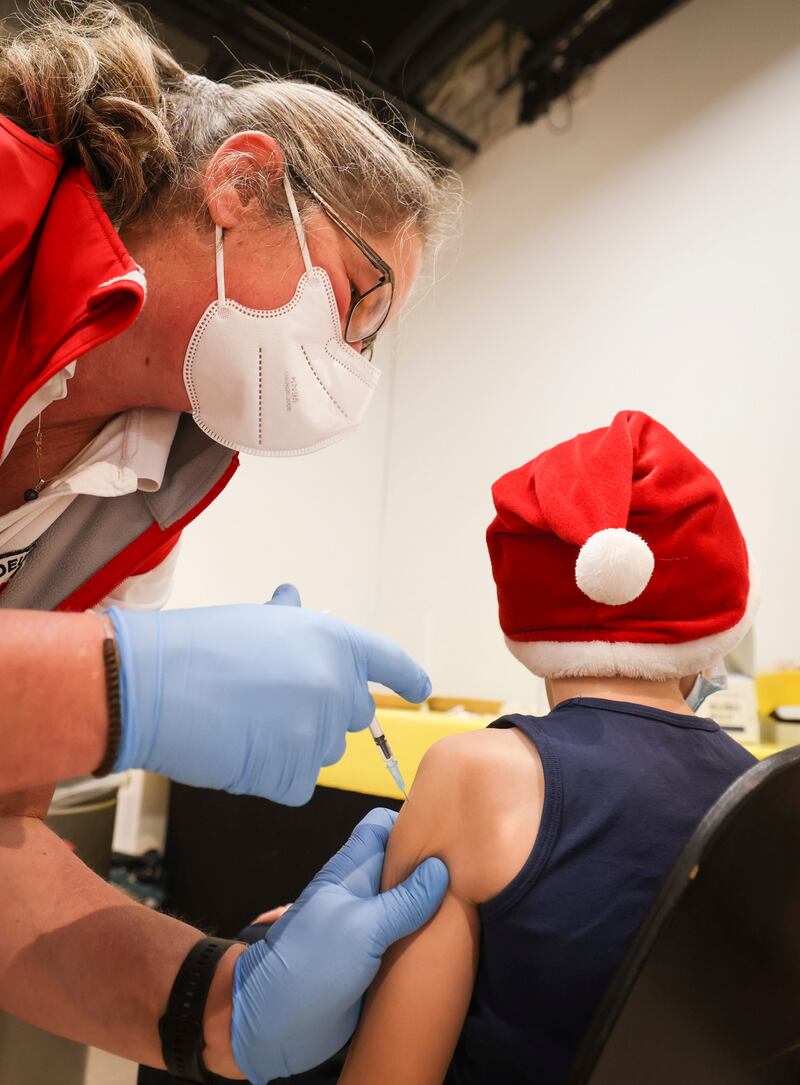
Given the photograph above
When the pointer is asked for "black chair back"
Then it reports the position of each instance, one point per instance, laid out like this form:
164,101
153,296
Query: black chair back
709,993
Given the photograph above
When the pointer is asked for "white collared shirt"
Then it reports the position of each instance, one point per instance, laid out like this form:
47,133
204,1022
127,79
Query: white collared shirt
130,453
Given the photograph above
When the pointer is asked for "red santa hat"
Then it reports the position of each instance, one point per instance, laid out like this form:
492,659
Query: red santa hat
618,553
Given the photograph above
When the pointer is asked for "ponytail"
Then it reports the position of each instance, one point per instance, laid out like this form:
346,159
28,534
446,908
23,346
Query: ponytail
90,80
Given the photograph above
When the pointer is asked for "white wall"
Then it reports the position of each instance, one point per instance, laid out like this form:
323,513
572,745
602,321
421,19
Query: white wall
648,260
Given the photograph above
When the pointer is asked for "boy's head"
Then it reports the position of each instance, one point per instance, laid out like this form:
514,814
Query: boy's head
617,554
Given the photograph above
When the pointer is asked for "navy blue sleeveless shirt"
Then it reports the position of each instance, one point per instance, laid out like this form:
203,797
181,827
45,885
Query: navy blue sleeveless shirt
625,785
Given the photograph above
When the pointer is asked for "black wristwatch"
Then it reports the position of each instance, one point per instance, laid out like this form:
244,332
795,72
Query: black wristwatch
181,1027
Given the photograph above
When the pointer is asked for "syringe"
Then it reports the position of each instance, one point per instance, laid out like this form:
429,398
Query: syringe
381,741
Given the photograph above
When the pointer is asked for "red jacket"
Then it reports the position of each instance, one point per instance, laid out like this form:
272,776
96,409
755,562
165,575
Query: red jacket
67,284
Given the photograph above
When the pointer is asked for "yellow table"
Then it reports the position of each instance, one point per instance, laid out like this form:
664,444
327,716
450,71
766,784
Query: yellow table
411,734
762,750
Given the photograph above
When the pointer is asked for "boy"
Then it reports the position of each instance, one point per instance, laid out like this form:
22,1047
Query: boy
621,576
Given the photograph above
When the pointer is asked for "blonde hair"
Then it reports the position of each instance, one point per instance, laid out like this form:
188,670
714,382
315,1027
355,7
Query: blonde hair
92,80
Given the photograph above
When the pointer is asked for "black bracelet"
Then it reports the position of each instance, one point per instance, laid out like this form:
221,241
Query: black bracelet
111,664
181,1027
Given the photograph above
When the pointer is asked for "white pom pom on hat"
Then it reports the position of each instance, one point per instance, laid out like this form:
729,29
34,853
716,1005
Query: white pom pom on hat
614,566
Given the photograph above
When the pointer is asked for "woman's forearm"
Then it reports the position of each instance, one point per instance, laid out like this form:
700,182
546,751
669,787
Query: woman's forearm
53,715
79,958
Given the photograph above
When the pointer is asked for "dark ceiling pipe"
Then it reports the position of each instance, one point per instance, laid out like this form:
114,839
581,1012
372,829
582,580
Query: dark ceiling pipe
473,18
415,35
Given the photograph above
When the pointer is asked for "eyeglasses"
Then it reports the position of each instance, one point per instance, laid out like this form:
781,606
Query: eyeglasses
368,311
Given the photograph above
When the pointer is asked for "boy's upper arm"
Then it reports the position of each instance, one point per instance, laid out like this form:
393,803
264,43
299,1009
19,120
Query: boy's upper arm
416,1006
476,803
458,809
424,826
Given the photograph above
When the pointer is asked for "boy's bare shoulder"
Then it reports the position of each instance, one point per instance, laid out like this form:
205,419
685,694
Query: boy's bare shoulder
479,797
479,759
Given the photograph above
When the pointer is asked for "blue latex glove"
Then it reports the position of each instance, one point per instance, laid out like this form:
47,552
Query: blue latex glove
297,993
249,699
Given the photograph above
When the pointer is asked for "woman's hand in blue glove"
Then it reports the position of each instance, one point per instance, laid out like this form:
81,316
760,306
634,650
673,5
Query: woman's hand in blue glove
297,993
249,699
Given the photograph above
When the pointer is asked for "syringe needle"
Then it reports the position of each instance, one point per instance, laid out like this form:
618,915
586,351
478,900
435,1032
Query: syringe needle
381,741
397,776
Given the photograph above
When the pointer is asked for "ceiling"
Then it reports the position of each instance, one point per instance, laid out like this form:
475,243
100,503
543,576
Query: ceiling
460,71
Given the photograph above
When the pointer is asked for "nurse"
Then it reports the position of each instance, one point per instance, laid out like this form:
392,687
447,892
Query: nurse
171,245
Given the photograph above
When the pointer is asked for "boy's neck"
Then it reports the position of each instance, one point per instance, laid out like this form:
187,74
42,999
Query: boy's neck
665,695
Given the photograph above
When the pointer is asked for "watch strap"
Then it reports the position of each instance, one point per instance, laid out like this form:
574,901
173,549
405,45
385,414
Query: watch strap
181,1027
111,665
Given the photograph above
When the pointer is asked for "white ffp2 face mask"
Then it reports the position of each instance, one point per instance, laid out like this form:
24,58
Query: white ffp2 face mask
277,382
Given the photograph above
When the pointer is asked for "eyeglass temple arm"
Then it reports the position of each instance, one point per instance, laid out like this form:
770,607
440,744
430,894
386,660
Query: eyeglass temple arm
355,237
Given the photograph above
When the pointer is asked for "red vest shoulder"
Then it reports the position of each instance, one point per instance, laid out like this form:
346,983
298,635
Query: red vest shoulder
67,283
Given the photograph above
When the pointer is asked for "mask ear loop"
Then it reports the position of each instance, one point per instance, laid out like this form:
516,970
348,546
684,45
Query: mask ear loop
298,225
221,299
298,228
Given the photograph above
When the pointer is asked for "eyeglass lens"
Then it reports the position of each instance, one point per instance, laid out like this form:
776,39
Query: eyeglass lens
369,313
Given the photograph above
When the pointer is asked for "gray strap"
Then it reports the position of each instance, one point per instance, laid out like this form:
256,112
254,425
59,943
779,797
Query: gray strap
93,530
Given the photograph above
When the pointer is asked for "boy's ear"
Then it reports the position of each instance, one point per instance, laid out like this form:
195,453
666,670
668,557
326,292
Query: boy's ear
686,683
548,688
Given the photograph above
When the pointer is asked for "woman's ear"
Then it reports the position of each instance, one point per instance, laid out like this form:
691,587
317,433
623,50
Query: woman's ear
238,168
